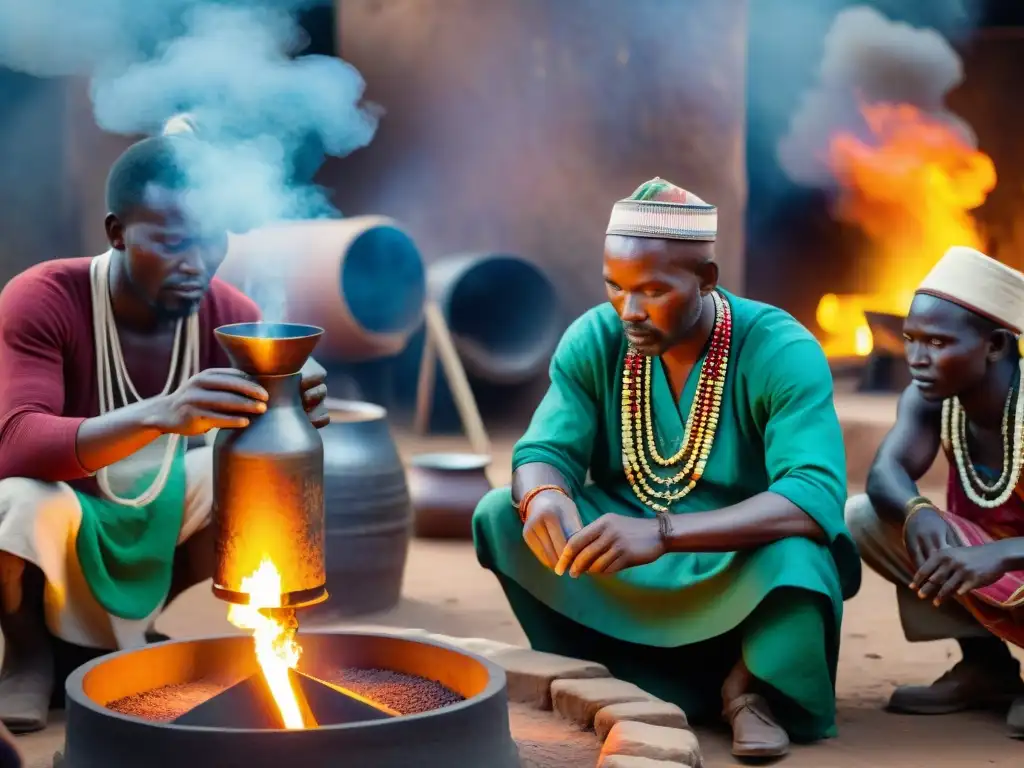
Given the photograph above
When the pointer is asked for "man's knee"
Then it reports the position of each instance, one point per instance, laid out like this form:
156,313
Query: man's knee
492,520
497,503
863,522
198,492
879,541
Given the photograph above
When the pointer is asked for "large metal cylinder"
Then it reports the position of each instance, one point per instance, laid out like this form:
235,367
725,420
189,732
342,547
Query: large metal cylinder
268,479
361,279
503,313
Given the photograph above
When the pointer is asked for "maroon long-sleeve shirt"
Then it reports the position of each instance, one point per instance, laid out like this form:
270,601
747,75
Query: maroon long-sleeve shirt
48,365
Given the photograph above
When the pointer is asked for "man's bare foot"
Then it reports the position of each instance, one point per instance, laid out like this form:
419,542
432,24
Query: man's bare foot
968,685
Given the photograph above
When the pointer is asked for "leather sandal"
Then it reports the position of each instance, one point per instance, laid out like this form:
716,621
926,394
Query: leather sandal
754,730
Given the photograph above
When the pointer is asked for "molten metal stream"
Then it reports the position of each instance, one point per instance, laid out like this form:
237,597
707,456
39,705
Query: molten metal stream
276,649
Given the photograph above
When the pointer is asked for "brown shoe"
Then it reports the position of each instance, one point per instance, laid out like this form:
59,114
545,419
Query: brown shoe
754,731
966,686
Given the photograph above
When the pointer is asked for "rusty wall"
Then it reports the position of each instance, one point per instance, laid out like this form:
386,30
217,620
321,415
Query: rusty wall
993,63
37,217
90,152
515,125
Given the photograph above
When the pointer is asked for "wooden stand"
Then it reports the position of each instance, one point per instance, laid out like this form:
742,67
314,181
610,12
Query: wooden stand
440,345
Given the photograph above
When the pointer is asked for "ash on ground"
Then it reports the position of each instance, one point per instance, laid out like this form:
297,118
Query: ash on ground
406,694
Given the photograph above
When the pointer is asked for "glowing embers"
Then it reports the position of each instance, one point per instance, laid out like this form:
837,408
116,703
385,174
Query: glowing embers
204,703
252,704
278,697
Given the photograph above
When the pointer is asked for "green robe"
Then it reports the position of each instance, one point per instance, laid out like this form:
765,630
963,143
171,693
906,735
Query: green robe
781,604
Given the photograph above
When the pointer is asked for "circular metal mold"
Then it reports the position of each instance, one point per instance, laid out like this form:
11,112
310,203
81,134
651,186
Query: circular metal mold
473,732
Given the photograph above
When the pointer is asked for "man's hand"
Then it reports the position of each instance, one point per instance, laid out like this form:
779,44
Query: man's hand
611,543
217,398
314,392
552,517
959,570
926,534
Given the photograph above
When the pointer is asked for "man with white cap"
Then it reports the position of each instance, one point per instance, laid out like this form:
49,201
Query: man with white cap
959,566
708,560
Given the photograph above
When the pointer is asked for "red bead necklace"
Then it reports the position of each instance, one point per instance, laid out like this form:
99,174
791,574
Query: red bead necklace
639,448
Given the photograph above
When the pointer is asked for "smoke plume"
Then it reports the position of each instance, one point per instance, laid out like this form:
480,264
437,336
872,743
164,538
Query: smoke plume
266,120
868,59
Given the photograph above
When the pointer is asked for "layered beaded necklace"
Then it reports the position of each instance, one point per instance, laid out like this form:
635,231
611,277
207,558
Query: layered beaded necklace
954,435
639,447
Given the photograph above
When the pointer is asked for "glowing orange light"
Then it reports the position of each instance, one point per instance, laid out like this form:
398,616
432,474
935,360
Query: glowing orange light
910,188
276,649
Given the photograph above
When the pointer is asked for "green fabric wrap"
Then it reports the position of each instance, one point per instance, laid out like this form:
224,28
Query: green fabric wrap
127,553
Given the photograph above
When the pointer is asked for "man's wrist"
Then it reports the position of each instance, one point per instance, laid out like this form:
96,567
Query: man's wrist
153,414
536,492
1011,554
916,505
666,525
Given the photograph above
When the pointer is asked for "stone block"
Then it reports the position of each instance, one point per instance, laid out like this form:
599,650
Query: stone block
651,712
580,700
481,646
654,742
531,673
629,761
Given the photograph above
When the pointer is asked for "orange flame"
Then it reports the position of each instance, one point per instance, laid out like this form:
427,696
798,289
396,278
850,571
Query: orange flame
276,649
910,189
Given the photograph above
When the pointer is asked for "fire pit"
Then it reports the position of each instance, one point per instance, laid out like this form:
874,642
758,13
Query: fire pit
278,697
367,700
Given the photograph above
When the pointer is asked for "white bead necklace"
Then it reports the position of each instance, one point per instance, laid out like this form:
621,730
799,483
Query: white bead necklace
954,434
108,351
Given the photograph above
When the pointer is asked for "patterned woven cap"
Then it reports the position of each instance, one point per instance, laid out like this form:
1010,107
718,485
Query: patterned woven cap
979,283
663,210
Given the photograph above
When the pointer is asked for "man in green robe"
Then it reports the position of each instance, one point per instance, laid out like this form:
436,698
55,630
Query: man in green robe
705,557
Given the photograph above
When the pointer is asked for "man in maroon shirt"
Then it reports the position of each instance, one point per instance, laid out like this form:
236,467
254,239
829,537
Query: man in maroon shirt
107,366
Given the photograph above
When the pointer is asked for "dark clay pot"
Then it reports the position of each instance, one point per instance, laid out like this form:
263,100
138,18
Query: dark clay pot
445,489
368,516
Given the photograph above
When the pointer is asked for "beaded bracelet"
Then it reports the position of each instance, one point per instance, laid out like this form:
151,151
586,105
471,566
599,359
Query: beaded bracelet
665,526
912,507
524,503
915,505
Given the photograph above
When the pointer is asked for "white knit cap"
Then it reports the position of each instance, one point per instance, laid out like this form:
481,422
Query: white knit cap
664,210
979,283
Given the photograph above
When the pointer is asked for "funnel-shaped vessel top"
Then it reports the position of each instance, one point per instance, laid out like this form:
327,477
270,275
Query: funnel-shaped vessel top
268,349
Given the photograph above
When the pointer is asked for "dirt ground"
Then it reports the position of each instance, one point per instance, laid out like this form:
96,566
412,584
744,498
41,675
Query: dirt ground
445,591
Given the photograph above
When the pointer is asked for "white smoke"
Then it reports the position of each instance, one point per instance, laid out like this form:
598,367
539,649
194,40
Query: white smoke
868,59
267,120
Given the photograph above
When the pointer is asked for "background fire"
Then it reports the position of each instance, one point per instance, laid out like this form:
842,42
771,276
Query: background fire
910,187
900,174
